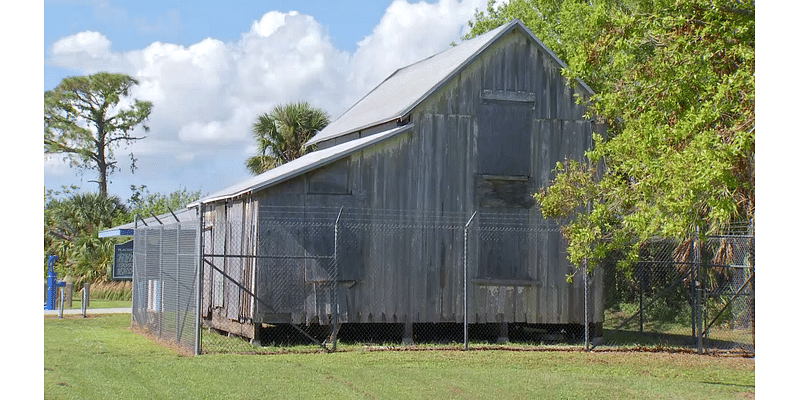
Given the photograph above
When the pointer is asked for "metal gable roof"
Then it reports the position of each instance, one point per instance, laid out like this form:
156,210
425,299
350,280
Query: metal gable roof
301,165
398,94
402,90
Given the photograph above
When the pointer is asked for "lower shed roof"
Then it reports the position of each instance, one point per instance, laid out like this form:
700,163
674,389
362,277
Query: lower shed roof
301,165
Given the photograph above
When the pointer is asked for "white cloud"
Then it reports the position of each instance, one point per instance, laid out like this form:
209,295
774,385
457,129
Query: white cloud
87,51
406,34
270,22
90,43
207,95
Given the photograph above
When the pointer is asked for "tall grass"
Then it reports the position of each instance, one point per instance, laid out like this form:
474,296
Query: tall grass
121,290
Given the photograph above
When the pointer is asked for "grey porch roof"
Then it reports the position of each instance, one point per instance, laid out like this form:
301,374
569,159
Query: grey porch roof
300,166
396,96
184,215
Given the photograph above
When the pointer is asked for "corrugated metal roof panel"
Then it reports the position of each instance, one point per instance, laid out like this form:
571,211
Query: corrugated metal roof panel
301,165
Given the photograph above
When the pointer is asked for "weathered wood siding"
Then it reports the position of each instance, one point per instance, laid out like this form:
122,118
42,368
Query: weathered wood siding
519,118
229,230
484,142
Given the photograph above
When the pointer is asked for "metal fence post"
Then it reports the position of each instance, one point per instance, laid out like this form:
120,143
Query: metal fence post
466,279
586,290
199,300
84,299
63,295
336,279
585,305
693,289
177,283
751,230
160,282
698,294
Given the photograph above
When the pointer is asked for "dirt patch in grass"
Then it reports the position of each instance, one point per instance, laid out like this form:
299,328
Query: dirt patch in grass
164,343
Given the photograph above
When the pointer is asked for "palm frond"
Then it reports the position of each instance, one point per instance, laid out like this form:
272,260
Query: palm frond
260,164
281,134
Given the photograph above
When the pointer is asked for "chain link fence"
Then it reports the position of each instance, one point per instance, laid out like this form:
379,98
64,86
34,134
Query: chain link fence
690,294
332,279
165,284
317,279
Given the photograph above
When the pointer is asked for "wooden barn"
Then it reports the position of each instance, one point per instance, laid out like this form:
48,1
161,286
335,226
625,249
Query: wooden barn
471,132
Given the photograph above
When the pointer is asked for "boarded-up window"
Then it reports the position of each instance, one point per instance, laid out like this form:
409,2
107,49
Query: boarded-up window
504,254
504,138
503,182
493,191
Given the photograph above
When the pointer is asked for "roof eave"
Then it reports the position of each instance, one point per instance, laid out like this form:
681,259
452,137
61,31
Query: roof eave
397,117
115,233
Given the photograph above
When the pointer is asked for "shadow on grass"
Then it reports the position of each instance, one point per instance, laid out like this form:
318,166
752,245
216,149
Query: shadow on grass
729,384
626,338
281,338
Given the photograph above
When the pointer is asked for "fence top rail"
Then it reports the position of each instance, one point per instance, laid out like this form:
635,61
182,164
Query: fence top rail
399,218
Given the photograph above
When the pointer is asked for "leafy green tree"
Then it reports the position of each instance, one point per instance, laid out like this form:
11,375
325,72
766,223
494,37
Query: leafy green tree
675,84
87,117
71,228
282,133
143,203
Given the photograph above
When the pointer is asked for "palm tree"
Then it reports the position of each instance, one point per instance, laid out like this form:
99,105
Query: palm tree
282,133
71,228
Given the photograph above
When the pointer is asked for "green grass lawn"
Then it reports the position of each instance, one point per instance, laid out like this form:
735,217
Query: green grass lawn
97,303
100,358
100,303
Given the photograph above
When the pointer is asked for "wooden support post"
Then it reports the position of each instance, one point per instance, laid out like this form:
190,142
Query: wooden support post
502,336
256,339
408,333
69,293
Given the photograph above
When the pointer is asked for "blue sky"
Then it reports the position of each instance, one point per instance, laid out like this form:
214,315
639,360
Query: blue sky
210,68
132,25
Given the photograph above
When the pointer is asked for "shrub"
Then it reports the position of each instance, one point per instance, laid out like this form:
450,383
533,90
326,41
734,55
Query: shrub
115,290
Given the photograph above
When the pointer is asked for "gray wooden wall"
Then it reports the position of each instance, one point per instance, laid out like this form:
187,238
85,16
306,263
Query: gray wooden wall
484,142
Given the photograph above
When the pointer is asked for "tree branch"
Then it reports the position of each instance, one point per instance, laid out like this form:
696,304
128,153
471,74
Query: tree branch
126,137
61,147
